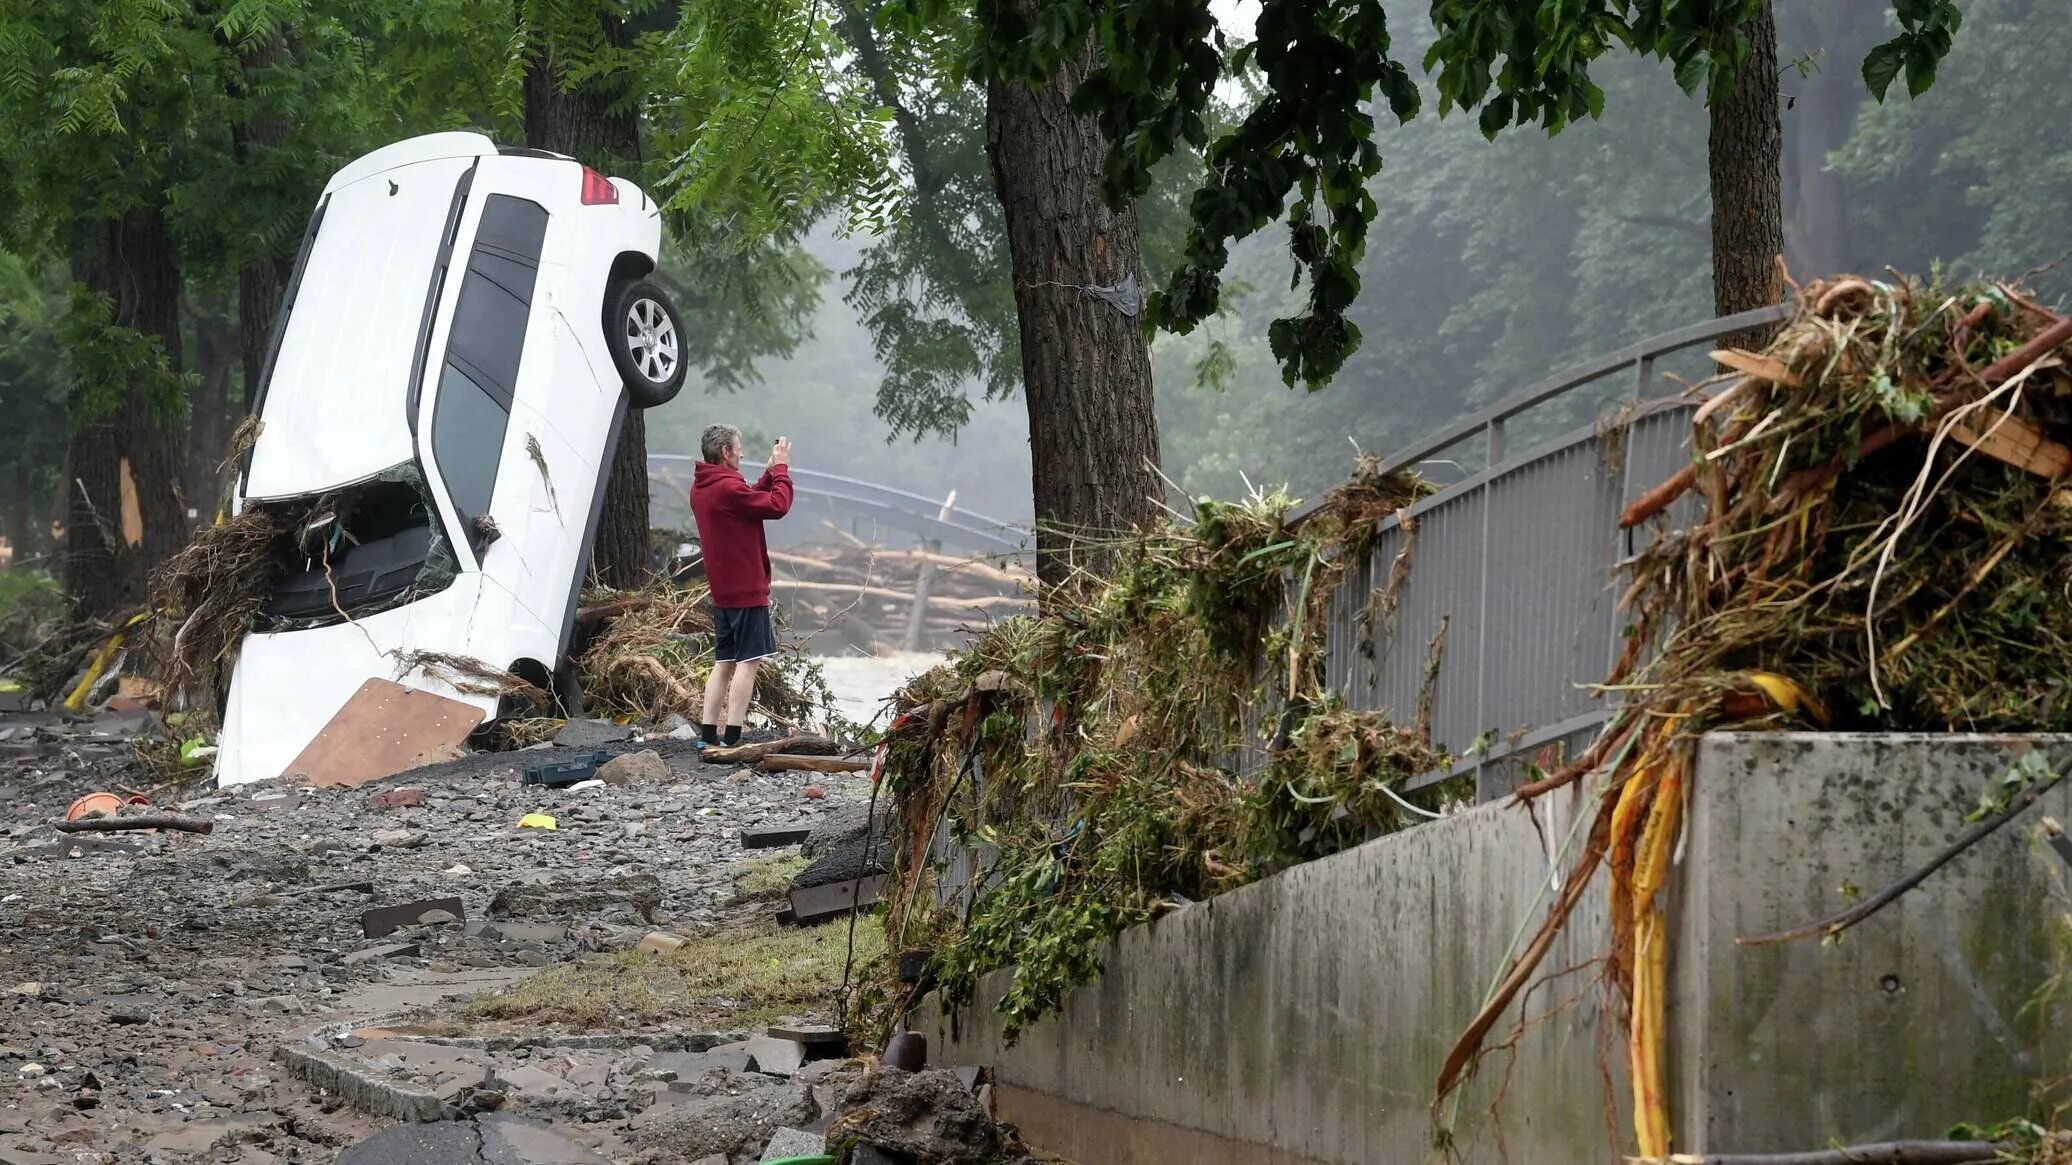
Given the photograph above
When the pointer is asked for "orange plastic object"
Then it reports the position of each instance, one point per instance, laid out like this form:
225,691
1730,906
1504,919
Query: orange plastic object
92,803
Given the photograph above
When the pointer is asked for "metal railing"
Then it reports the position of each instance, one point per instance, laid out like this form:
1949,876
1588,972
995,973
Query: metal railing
1516,564
847,497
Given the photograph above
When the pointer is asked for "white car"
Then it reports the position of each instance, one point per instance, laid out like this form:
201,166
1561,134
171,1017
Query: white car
461,337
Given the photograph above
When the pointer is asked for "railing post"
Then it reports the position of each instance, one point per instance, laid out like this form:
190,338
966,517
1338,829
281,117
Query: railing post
1494,445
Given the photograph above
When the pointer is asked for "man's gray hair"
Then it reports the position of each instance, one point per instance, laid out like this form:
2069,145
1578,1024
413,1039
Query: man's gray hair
717,440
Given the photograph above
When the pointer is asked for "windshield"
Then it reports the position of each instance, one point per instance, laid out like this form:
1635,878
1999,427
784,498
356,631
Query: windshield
355,550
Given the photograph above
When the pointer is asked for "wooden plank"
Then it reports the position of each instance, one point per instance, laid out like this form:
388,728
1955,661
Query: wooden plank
2018,442
1759,367
383,920
384,729
835,898
772,838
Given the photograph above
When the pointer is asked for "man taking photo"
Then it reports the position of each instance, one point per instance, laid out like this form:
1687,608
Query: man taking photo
730,514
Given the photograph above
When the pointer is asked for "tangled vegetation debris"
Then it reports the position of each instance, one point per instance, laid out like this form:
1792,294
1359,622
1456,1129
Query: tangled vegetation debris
1881,545
1151,739
654,655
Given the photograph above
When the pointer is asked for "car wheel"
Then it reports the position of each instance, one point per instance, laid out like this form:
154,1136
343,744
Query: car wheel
647,343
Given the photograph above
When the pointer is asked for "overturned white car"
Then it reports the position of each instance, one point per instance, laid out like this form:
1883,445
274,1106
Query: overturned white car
463,332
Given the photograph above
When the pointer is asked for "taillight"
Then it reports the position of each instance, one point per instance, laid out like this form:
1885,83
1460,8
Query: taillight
598,189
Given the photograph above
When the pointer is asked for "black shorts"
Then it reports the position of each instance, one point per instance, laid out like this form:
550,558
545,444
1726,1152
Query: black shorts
743,634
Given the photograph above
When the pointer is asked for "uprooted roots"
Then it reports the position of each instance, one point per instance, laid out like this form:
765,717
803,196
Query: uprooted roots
1881,545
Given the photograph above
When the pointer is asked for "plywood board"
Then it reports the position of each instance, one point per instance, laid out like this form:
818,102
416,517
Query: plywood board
384,729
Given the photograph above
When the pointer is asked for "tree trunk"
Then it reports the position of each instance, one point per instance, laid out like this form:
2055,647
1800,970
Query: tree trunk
1086,363
621,557
1816,225
583,124
263,280
208,435
1744,154
133,263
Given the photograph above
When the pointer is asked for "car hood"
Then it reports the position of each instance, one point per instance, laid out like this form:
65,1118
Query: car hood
287,686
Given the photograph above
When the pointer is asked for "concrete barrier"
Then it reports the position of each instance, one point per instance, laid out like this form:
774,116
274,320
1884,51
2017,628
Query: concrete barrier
1302,1019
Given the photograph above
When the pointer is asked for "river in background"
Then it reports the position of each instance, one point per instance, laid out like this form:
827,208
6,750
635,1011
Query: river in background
863,683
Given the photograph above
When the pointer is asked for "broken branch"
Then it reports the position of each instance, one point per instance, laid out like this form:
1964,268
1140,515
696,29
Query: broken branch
136,821
1833,925
748,754
778,762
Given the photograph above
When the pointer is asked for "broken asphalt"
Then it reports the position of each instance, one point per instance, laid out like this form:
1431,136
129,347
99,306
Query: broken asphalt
163,996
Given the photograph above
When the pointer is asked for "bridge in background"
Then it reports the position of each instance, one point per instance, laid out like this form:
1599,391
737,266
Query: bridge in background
860,508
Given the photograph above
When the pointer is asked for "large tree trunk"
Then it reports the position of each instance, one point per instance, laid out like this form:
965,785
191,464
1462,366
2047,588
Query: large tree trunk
208,434
1086,363
584,124
1816,221
106,565
1744,154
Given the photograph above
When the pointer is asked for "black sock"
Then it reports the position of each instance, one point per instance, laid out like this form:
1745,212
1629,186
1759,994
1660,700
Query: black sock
709,733
733,736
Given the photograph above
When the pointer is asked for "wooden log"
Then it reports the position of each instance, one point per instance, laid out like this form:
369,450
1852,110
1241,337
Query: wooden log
599,612
748,754
885,593
137,821
778,762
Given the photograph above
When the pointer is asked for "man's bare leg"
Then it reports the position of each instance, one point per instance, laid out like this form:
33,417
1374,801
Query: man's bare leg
715,700
741,694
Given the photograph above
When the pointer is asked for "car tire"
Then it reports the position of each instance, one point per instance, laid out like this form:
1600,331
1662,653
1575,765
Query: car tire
646,339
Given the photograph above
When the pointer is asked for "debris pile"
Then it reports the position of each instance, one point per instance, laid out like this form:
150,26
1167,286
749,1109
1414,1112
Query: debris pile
1150,739
874,595
1880,543
651,654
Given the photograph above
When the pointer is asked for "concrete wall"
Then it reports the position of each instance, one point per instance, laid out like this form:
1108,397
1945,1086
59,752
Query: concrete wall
1302,1019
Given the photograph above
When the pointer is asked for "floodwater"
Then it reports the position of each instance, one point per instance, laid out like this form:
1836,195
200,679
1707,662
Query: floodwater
862,683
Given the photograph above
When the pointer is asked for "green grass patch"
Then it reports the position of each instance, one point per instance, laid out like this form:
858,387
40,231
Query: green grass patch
769,877
726,980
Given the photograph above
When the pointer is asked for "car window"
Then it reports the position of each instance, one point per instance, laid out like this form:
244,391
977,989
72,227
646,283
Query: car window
468,441
483,350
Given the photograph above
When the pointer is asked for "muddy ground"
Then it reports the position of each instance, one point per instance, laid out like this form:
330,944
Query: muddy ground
147,980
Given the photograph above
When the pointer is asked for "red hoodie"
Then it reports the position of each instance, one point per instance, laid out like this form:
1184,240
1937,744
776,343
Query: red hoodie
730,515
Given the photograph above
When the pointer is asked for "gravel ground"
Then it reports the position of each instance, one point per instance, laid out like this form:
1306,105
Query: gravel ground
145,978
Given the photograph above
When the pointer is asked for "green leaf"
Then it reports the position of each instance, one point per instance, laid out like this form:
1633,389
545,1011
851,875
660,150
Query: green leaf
1691,73
1882,65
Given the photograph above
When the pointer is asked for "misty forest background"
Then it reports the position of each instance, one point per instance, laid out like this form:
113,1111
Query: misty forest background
1490,265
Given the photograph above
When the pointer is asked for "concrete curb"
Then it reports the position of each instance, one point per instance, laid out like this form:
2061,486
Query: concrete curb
326,1072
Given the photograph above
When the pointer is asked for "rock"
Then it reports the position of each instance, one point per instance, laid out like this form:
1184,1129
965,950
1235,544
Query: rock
591,733
692,1066
820,1039
734,1120
926,1117
32,989
536,933
793,1143
637,895
777,1057
661,943
437,917
526,1080
815,792
386,951
398,838
645,767
410,798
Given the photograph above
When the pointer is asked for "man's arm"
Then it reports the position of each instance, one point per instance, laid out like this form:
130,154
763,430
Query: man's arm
768,498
